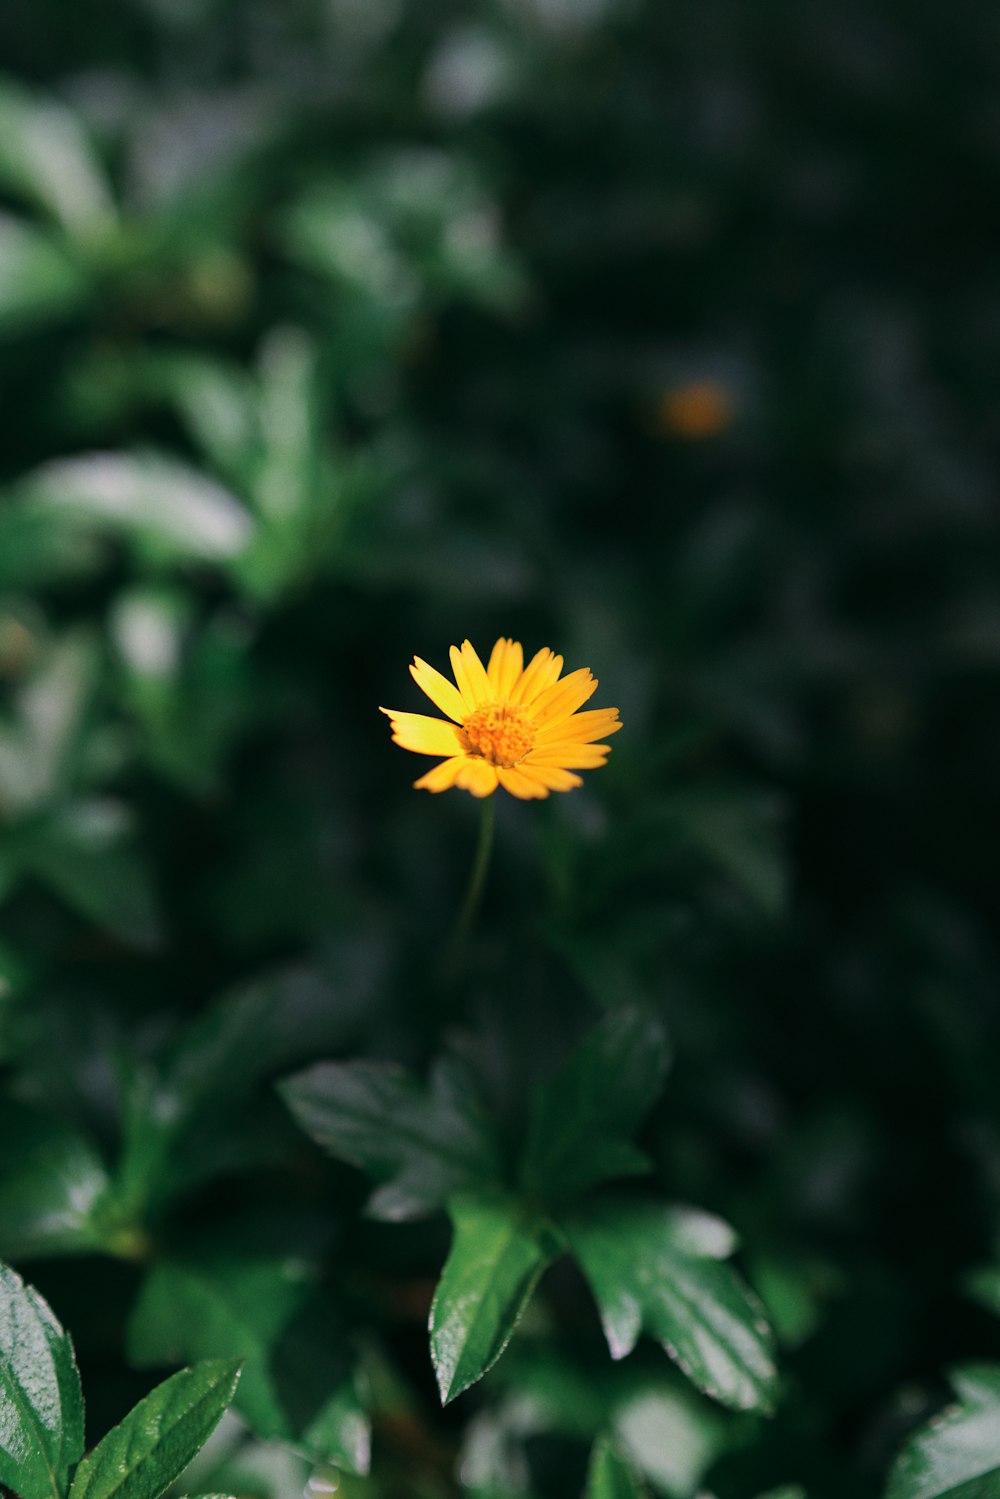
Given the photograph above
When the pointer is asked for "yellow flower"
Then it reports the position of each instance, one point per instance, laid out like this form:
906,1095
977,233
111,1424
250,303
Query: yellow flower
511,725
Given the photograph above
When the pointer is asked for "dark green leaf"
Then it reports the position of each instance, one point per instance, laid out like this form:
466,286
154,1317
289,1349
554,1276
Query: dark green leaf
609,1476
423,1144
487,1281
957,1455
52,1181
583,1118
660,1270
296,1384
142,1456
87,854
41,1406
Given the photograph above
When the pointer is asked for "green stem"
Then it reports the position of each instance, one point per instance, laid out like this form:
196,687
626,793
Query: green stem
474,889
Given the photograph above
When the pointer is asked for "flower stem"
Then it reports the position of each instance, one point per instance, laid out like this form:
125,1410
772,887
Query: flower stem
474,889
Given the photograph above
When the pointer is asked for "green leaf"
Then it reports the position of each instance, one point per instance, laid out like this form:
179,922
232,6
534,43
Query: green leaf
85,852
296,1385
170,509
609,1476
38,281
668,1433
660,1269
487,1281
46,156
41,1405
40,740
52,1181
141,1457
423,1144
582,1119
957,1455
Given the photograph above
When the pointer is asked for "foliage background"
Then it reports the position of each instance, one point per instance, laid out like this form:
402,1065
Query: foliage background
331,333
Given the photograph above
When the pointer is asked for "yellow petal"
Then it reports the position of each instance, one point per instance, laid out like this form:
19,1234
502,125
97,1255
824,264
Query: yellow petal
550,776
425,736
440,777
477,776
570,756
520,785
541,671
470,674
562,699
581,727
440,691
506,662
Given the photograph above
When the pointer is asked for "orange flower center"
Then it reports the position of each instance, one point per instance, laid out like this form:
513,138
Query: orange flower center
499,732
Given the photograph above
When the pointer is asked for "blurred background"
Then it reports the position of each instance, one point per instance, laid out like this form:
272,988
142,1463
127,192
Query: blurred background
335,331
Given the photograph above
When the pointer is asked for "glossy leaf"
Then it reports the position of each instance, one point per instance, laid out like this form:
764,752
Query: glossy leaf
487,1281
41,1405
957,1454
609,1476
296,1384
141,1457
583,1119
423,1144
660,1270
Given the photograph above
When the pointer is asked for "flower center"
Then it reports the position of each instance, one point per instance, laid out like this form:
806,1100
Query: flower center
499,732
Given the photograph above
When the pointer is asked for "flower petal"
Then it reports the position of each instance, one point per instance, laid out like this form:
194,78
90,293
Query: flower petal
477,776
581,727
550,776
470,674
505,665
442,693
541,671
423,735
563,698
440,777
520,785
570,756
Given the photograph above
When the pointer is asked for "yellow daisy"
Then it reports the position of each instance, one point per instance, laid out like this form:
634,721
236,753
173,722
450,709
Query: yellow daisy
511,725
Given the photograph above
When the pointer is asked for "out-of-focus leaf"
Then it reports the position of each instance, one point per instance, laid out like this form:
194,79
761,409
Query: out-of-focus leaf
957,1455
660,1269
582,1119
171,510
39,282
51,1181
487,1281
141,1457
296,1384
41,1405
738,831
34,551
85,853
423,1144
38,741
609,1476
216,402
669,1435
794,1290
47,158
984,1285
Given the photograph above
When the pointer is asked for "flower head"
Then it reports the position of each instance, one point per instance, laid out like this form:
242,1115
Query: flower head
510,725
